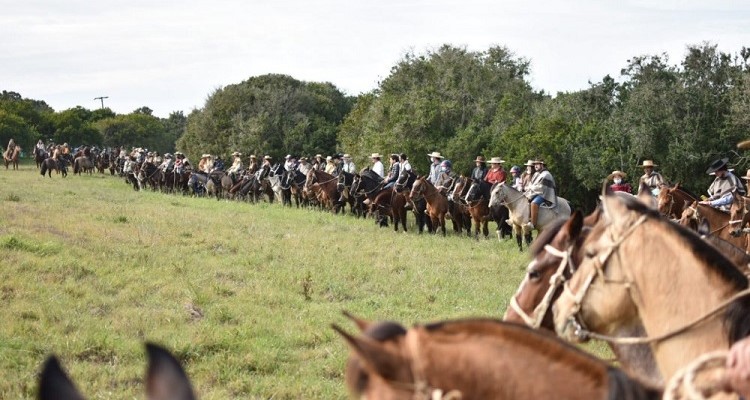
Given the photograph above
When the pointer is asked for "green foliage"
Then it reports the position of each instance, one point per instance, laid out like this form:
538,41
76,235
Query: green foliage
269,114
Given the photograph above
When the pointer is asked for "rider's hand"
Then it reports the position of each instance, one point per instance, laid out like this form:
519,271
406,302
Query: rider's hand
738,367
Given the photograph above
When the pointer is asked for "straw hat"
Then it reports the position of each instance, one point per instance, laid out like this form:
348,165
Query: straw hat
329,158
496,160
205,156
435,154
747,175
267,158
288,156
538,161
318,156
376,155
744,145
480,159
529,163
617,173
253,156
649,164
347,156
236,153
178,153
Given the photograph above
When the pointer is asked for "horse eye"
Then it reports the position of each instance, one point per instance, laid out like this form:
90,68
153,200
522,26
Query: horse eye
534,275
589,252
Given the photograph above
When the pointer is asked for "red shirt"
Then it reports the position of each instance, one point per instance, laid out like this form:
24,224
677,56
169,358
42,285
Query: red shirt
623,187
495,175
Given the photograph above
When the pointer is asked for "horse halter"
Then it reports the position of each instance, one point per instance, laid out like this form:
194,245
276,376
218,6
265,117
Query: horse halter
600,263
555,281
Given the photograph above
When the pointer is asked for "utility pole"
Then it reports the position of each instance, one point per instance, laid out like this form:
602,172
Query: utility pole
102,99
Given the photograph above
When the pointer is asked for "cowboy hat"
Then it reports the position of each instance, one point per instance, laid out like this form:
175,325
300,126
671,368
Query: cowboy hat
376,155
480,159
329,158
717,165
648,164
747,175
288,156
538,161
267,158
205,156
253,156
435,154
177,153
496,160
347,155
529,163
617,173
319,155
744,145
236,153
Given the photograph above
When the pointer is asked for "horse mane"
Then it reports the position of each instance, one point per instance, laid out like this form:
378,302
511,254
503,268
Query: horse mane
622,387
687,192
356,376
546,237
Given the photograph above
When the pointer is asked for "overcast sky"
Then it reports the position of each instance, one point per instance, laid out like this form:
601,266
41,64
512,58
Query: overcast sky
170,55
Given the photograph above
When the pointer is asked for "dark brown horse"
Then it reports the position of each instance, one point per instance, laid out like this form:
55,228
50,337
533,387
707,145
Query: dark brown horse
165,379
392,204
324,186
478,359
719,221
50,164
12,158
39,156
437,204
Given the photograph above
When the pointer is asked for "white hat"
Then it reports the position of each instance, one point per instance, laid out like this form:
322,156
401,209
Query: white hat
347,155
496,160
435,154
288,156
376,155
236,153
205,156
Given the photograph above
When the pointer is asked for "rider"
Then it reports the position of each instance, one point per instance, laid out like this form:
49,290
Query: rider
40,148
496,173
236,166
10,149
178,162
446,177
721,191
167,163
435,158
348,165
479,172
651,178
541,191
619,184
290,163
516,181
330,167
377,165
253,166
393,172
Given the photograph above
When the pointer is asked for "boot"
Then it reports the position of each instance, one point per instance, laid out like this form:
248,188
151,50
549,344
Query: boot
534,215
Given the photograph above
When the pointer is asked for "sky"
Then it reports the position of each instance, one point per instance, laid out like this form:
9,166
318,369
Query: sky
171,55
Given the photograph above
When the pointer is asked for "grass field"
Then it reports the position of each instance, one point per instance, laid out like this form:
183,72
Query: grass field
244,294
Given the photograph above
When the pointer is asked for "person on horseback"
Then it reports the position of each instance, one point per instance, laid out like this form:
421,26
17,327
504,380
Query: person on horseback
651,178
496,173
330,167
236,166
721,191
480,171
11,147
377,165
304,166
348,165
319,164
619,184
179,160
290,163
40,148
167,164
205,164
446,178
527,175
435,158
515,178
541,191
254,166
393,172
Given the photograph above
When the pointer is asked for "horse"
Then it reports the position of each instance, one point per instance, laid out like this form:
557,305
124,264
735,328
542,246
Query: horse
720,223
12,158
418,207
291,184
165,378
639,267
50,164
437,204
323,185
82,164
390,203
344,184
39,156
477,359
671,200
477,198
518,207
457,210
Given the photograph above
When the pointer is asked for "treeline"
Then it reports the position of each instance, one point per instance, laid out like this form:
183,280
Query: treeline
460,103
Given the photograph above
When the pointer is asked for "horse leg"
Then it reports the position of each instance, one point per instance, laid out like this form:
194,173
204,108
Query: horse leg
528,238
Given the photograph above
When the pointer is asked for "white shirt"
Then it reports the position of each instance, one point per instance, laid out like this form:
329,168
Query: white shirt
349,167
378,168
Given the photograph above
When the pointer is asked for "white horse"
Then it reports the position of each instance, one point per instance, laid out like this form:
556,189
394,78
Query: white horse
518,205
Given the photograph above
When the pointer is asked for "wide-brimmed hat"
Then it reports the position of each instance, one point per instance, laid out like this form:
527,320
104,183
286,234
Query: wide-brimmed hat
205,156
376,155
177,153
747,175
529,163
267,158
253,156
347,155
648,164
538,161
717,165
288,156
319,155
435,154
236,153
619,173
480,159
329,158
496,160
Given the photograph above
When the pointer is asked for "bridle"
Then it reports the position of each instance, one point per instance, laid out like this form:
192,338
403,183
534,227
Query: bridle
555,281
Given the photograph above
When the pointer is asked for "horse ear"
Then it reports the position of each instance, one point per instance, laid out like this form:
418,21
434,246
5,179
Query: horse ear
54,383
165,378
644,195
574,225
361,323
374,356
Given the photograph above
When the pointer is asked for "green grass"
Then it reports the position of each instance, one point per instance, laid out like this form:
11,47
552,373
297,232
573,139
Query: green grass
243,294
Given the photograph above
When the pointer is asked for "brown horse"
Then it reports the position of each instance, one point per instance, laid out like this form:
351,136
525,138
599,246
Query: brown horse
671,201
437,204
555,254
12,158
477,359
81,165
165,379
392,204
638,266
719,221
50,164
324,186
